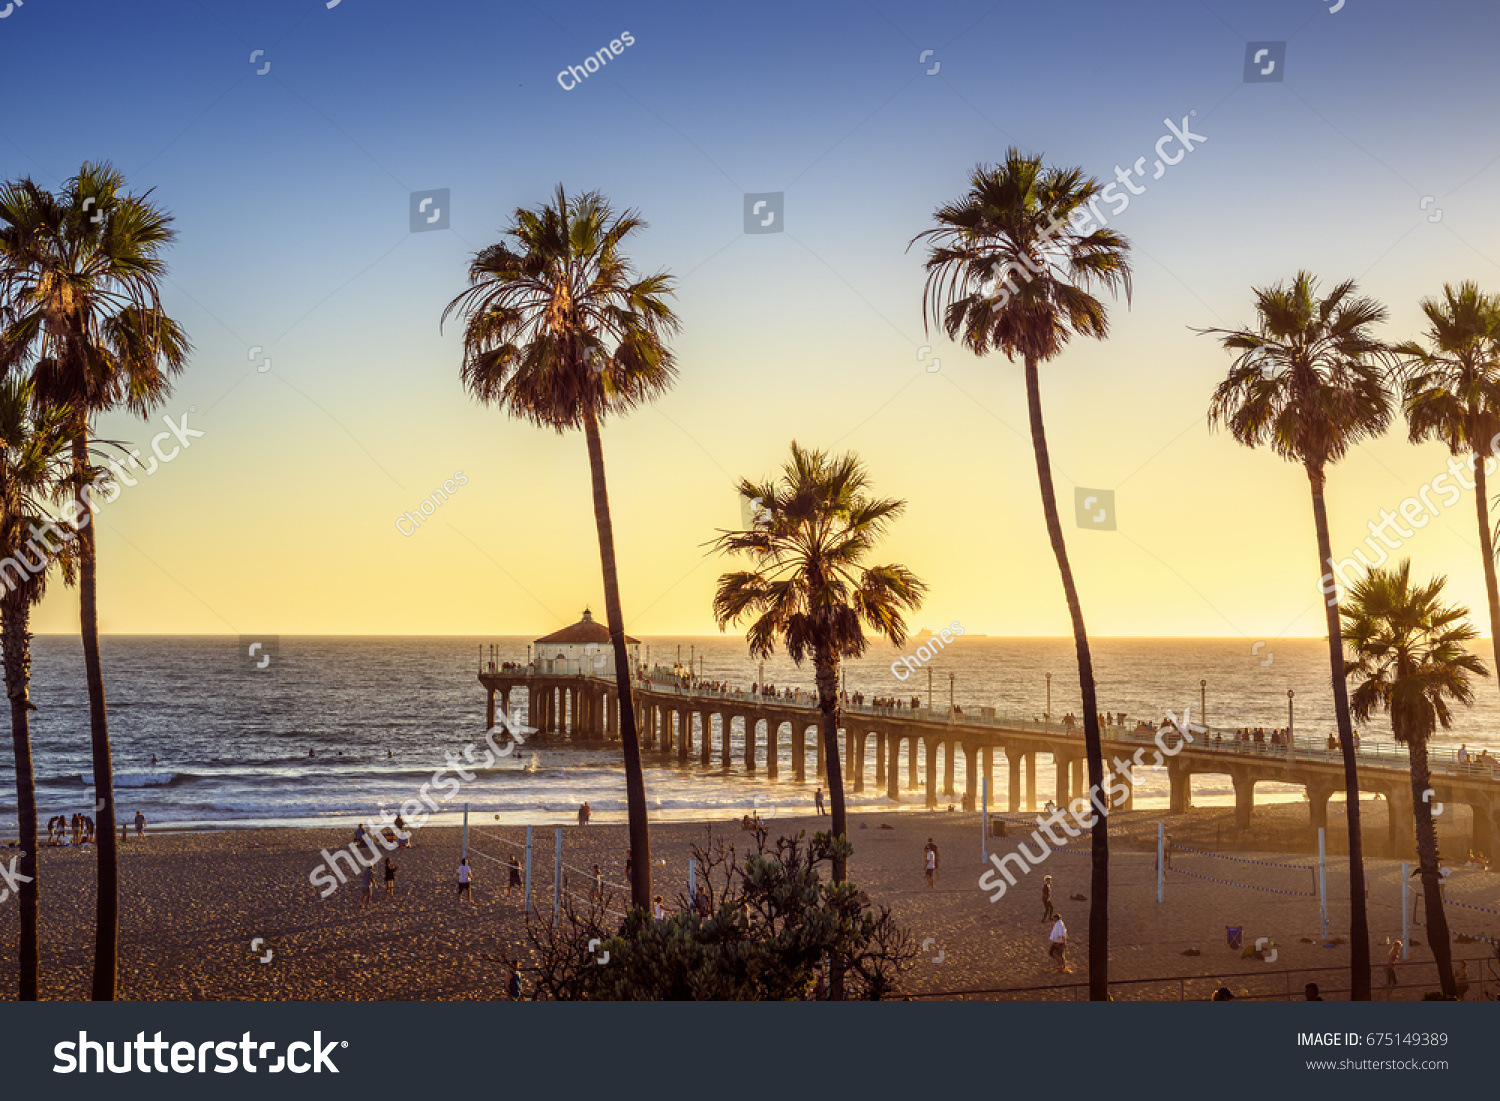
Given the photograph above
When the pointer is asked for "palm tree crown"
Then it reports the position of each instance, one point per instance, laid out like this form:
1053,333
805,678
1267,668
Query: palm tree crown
558,325
1011,264
1409,654
1309,380
80,273
1452,384
810,589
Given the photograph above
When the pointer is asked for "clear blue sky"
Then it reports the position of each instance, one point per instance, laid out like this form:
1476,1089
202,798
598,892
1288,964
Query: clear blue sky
291,192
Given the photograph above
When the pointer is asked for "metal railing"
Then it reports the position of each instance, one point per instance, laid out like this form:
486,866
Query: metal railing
1219,740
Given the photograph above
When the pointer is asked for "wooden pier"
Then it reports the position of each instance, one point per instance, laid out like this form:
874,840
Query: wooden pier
700,724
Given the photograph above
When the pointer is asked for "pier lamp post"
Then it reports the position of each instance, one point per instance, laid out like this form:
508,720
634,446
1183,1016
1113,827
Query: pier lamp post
761,684
929,691
1047,714
1203,702
528,655
950,698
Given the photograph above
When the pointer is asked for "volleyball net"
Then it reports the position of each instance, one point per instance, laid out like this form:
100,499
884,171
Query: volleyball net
1298,879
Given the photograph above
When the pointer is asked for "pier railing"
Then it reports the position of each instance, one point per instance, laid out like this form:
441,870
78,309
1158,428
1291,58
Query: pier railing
1213,739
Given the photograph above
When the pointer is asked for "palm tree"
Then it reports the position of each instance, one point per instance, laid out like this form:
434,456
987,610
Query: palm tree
80,302
33,468
1452,393
810,590
1308,383
1410,661
560,331
1019,218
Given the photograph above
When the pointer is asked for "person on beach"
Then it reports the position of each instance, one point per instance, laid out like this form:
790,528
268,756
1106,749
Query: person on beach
465,880
937,857
1059,945
818,798
629,868
588,812
701,903
1392,958
513,981
359,834
390,876
931,869
140,824
515,875
658,911
1047,911
1310,993
598,889
367,887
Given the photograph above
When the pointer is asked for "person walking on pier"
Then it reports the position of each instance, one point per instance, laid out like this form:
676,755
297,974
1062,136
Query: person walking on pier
818,797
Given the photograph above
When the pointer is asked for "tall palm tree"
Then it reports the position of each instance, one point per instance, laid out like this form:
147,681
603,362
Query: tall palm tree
1022,219
1451,388
810,590
1410,661
561,331
80,283
33,469
1308,383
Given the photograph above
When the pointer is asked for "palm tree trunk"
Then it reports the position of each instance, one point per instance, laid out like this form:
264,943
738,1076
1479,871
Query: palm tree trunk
16,642
635,778
1093,748
827,676
1487,548
107,921
1427,856
1359,929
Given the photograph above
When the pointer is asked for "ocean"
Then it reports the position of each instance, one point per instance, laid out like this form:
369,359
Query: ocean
231,742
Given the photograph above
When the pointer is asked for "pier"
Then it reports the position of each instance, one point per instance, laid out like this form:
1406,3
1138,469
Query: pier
697,724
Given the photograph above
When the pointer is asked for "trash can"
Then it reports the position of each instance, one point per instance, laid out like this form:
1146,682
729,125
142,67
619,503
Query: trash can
1236,934
997,827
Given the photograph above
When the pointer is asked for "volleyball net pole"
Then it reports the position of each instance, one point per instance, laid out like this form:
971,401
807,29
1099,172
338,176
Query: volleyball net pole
557,878
528,871
1161,869
1323,883
466,832
984,821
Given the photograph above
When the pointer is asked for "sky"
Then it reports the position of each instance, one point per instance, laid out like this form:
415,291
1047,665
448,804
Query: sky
288,137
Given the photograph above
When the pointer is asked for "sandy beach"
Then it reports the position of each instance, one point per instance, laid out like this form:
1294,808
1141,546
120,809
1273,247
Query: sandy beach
194,902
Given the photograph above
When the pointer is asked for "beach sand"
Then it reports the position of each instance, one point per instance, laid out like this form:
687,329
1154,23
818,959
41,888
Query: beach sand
192,903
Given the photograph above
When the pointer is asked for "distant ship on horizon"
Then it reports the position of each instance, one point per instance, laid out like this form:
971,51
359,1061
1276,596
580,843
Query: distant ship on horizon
924,634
